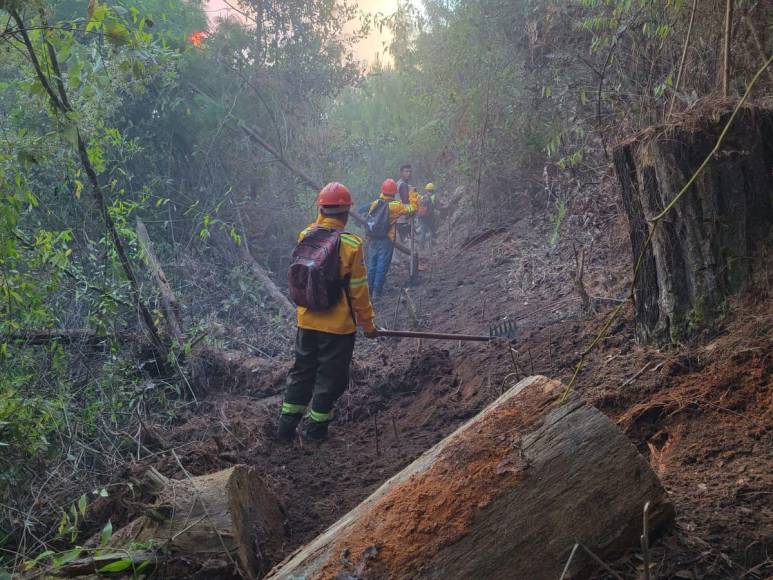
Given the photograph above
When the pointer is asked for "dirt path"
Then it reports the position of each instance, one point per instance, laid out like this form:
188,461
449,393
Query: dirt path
701,414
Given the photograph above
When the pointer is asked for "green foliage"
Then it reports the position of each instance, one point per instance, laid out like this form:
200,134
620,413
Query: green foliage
556,220
162,152
453,103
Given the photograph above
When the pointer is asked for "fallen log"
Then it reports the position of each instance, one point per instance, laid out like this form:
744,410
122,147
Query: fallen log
229,515
505,496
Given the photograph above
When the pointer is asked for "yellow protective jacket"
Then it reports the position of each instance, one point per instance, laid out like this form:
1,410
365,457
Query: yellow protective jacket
338,319
396,209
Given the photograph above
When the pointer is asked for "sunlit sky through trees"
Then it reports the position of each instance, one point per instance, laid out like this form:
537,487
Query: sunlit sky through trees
366,49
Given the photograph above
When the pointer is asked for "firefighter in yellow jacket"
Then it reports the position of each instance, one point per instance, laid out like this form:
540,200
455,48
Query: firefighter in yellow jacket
326,329
382,218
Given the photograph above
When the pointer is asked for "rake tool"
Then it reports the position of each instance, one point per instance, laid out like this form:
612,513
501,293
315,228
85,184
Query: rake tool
505,330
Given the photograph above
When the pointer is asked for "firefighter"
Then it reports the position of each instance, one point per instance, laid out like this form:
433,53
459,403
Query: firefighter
427,215
381,225
325,340
404,189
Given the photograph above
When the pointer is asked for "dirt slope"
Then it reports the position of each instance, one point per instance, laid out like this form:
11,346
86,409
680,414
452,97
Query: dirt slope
701,413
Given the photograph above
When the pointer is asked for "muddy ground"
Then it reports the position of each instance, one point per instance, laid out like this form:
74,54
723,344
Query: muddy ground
701,413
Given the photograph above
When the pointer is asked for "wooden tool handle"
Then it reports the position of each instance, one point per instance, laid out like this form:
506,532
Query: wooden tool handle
434,335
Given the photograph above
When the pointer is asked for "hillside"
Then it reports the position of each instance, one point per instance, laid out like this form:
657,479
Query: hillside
699,413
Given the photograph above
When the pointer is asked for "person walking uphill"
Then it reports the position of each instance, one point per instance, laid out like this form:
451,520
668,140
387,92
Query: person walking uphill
382,218
404,189
427,215
328,282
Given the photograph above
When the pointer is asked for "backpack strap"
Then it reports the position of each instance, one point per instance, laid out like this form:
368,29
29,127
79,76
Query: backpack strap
346,279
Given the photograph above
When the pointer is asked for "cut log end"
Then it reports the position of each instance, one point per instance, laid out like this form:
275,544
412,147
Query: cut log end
230,515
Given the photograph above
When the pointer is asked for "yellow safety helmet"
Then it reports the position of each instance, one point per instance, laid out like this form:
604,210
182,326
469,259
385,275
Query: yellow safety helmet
429,187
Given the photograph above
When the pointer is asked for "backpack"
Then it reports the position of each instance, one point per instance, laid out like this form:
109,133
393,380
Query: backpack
377,221
426,205
313,273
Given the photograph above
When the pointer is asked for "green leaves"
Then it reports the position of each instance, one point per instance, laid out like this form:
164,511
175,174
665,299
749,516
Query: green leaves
66,557
83,503
117,566
97,13
116,33
106,534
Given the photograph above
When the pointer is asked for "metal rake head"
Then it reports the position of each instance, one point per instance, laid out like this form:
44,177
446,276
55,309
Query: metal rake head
506,329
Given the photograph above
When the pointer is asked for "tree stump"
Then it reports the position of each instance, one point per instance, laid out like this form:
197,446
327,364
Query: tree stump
704,250
228,515
505,496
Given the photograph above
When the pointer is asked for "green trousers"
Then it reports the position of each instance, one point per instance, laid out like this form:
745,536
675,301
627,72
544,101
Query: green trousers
320,374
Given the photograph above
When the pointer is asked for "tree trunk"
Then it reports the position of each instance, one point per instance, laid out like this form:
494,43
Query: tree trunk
505,496
169,305
230,515
726,60
704,250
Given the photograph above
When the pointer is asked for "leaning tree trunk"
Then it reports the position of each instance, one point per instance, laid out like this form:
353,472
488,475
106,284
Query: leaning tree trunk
705,249
505,496
229,516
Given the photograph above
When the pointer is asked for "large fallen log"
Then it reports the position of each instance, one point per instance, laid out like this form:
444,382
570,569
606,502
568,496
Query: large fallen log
505,496
230,515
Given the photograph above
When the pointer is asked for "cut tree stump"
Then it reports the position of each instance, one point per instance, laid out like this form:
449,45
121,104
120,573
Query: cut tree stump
506,496
228,515
704,250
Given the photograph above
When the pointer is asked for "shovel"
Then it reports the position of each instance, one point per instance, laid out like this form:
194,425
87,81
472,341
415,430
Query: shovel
504,330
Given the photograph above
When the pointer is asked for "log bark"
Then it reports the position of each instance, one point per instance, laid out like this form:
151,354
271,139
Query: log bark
169,304
228,515
505,496
703,251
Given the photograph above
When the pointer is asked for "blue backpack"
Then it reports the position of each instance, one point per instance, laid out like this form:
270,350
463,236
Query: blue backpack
377,221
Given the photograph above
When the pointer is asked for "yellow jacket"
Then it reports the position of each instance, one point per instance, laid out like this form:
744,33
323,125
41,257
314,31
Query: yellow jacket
396,209
338,319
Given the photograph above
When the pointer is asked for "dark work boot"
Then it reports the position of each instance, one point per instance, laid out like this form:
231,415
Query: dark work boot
287,426
316,431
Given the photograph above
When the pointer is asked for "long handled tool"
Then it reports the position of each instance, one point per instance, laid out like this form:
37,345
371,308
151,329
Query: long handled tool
503,330
413,269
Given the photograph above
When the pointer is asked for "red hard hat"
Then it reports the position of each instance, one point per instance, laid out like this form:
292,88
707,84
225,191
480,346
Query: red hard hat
389,187
334,193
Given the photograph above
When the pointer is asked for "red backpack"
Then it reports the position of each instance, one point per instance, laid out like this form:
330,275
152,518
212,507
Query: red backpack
313,274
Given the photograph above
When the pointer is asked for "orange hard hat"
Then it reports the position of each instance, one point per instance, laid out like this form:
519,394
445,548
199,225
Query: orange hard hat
334,193
389,187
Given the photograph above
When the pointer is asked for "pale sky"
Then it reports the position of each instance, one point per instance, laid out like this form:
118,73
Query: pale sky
365,50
